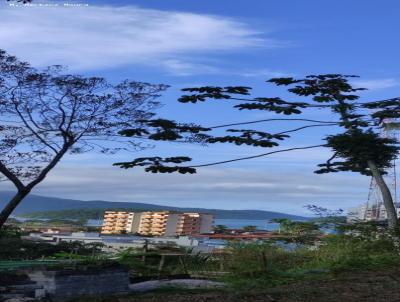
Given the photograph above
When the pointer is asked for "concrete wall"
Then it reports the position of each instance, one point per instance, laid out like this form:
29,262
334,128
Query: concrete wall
207,222
172,224
71,283
134,227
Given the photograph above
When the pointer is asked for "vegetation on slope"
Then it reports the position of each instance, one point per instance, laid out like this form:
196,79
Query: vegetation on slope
97,213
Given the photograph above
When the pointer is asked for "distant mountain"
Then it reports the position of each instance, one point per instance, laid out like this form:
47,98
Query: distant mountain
37,203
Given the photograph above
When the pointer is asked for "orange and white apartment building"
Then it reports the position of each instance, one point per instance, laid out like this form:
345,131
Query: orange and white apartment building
164,223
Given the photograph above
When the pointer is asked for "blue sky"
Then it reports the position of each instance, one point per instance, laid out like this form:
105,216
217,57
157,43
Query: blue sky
208,42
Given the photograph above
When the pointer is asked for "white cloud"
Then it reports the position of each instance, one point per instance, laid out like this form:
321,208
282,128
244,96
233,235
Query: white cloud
376,84
265,73
211,188
103,37
182,68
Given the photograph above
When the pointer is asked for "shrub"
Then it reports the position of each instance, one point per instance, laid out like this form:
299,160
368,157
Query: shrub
265,264
264,258
342,252
18,249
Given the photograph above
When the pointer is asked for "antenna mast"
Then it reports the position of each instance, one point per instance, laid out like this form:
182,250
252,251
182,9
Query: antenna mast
375,209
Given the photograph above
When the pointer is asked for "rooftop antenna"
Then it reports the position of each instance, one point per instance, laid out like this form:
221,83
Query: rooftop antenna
375,209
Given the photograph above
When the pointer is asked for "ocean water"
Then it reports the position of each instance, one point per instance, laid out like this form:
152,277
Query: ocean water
240,223
230,223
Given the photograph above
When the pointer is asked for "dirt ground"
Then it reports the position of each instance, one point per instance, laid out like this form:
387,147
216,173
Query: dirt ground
360,287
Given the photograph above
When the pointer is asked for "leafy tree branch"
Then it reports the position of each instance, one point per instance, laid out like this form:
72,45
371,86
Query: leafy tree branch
357,145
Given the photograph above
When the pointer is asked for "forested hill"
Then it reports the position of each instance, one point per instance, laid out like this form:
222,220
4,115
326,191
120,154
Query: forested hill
95,208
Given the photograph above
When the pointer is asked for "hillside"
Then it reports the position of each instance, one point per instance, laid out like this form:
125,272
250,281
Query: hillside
37,203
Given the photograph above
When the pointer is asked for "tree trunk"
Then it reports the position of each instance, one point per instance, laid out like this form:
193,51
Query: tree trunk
386,195
12,204
23,191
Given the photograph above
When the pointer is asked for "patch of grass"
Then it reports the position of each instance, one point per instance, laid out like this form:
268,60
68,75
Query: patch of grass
341,253
255,266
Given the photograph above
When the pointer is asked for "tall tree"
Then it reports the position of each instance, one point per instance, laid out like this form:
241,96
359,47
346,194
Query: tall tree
249,228
220,229
356,147
46,114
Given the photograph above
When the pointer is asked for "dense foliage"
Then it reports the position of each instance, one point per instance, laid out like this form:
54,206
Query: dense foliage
17,249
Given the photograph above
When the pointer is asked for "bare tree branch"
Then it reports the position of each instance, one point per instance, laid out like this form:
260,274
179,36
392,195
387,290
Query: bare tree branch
47,114
305,127
255,156
11,176
273,120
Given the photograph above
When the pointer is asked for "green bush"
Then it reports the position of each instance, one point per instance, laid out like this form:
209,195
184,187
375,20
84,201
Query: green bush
342,252
264,258
10,231
18,249
266,264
